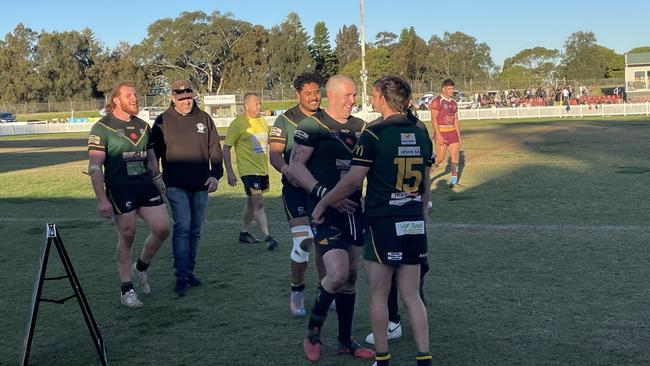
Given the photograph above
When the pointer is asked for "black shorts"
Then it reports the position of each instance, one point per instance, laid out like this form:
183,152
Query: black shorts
255,184
396,240
338,231
131,197
295,201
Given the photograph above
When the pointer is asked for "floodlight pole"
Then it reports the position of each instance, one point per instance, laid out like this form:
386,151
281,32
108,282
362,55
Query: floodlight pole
364,72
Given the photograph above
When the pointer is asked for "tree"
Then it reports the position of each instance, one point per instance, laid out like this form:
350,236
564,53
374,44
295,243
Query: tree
517,76
18,74
115,66
193,45
410,55
348,46
540,64
325,61
640,49
62,59
247,67
378,64
290,56
385,40
459,56
584,58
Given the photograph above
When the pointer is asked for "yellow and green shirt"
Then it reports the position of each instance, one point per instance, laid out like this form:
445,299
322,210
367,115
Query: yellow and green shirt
249,137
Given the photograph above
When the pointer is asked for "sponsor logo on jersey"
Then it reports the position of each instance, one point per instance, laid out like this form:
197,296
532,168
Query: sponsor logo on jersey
407,138
408,151
343,164
200,127
134,155
409,228
394,256
301,134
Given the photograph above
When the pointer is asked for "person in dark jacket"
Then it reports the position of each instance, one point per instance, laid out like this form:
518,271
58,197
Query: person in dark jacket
186,141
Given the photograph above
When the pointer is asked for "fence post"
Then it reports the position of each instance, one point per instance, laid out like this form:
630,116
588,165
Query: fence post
498,114
647,110
602,109
581,110
624,109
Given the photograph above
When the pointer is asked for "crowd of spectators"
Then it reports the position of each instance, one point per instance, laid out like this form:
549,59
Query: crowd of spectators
541,97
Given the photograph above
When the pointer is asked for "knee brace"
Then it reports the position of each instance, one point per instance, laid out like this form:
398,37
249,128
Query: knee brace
300,234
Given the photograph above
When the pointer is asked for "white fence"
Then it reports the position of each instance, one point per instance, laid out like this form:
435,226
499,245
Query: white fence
603,110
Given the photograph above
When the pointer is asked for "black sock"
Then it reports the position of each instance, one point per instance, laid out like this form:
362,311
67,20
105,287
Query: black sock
423,359
393,307
321,305
345,312
297,288
141,266
126,287
382,358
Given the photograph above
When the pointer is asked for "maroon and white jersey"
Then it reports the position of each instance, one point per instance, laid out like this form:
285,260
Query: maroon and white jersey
447,109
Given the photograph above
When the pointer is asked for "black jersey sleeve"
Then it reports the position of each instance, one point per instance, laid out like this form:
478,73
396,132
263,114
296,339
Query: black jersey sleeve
366,150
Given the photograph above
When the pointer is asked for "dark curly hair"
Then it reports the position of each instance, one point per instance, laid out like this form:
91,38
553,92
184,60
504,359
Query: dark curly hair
306,78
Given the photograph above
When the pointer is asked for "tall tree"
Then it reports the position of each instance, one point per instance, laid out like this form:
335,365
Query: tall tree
326,63
386,40
584,58
193,45
410,55
290,56
540,63
117,65
18,74
247,68
348,46
378,64
459,56
62,59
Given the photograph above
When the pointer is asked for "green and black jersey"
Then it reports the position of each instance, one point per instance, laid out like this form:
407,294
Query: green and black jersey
283,130
125,144
397,152
333,143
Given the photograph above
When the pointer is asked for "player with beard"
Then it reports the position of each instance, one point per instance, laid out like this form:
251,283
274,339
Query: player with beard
122,167
295,198
321,155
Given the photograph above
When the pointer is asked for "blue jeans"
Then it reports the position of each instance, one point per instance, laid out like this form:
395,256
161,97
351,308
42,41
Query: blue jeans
188,209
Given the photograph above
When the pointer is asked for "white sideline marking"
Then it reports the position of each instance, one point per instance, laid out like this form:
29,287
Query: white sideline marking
445,225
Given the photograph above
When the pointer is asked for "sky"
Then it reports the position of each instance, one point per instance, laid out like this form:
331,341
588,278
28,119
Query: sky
507,27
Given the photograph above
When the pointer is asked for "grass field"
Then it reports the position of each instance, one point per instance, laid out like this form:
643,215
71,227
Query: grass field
539,257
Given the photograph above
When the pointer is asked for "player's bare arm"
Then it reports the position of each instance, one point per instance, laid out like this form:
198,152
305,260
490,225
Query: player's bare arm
297,170
96,173
436,129
276,157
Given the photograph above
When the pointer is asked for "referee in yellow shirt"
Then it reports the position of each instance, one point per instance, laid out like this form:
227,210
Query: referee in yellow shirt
249,135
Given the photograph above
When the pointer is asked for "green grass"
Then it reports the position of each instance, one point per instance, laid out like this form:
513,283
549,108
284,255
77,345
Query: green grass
539,257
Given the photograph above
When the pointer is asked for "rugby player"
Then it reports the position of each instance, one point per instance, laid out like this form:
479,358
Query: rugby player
307,88
444,118
127,182
321,155
395,155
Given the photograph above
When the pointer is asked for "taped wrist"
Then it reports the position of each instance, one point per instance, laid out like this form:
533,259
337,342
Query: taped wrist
319,191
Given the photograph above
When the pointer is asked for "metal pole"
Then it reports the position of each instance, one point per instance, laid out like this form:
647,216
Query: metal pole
364,72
